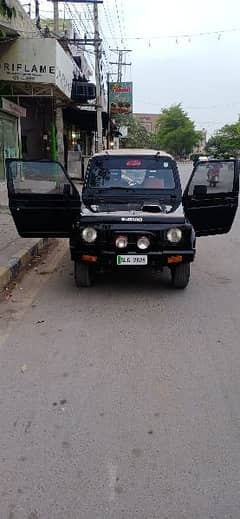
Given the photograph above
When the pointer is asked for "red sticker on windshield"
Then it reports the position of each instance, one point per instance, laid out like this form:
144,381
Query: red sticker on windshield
134,163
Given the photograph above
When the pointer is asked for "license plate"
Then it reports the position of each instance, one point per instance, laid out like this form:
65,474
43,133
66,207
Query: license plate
132,259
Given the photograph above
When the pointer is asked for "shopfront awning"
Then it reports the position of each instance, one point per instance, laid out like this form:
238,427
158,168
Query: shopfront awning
83,119
36,65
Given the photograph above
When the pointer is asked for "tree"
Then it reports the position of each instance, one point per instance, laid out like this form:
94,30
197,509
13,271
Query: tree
138,136
175,132
226,142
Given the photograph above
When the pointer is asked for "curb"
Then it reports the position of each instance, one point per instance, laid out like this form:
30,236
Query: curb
20,261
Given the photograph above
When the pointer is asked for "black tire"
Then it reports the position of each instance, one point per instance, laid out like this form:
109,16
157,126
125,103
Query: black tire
82,274
181,275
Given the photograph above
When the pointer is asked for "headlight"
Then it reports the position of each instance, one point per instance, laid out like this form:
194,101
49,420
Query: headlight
89,234
174,235
143,243
121,242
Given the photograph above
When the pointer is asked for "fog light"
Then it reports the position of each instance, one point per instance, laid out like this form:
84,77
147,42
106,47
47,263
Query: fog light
174,235
143,243
89,234
121,242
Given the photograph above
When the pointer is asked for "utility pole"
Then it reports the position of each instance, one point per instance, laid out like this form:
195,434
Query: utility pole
120,63
55,17
37,14
98,79
109,74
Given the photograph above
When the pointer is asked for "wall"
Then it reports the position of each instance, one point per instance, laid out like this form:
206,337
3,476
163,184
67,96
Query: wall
20,24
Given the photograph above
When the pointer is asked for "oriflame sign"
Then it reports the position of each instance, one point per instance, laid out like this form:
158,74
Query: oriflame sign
120,98
38,61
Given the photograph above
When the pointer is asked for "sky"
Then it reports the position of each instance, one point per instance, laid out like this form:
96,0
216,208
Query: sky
201,72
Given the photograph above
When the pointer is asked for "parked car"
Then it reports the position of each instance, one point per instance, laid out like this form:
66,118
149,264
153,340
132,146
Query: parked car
132,213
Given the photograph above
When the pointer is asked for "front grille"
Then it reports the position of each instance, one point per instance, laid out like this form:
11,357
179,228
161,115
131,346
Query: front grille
108,238
158,240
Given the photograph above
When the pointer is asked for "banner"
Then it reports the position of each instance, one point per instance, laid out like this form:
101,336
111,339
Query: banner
120,98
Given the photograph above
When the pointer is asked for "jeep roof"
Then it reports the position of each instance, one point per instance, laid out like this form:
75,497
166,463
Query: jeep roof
132,151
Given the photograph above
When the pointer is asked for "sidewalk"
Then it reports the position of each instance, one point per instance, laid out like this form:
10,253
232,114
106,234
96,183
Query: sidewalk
15,252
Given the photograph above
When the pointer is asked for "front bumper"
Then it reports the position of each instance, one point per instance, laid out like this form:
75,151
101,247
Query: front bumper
155,260
104,251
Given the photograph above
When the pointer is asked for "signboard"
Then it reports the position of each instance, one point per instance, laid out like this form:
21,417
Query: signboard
12,108
38,61
120,98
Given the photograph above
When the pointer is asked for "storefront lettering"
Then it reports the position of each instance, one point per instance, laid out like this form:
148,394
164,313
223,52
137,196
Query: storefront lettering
121,90
17,68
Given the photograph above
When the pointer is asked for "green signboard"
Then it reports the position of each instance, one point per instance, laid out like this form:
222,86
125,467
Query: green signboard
120,98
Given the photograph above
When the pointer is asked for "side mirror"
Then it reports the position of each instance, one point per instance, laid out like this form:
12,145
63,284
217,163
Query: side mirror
67,189
200,191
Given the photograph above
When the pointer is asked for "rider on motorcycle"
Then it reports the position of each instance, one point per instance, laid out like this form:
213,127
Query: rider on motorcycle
213,174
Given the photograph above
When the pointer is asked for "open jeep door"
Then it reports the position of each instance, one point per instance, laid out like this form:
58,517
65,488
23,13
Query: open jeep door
210,199
42,198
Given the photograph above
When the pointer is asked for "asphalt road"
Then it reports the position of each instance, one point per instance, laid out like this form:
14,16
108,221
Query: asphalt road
122,401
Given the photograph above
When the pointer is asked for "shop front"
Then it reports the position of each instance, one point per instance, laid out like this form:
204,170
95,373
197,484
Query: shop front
47,82
39,73
80,126
10,132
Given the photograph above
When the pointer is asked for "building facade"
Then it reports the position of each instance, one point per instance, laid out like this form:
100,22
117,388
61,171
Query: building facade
149,121
43,76
200,148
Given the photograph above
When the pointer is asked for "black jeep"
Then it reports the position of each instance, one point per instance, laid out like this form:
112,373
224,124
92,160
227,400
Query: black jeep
131,213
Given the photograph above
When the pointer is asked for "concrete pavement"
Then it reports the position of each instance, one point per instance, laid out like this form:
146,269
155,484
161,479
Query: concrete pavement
122,401
3,195
15,252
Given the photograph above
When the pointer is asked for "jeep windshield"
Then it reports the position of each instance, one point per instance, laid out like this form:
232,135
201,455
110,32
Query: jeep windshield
131,174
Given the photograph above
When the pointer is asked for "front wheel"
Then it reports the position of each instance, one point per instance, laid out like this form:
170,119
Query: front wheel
82,274
180,275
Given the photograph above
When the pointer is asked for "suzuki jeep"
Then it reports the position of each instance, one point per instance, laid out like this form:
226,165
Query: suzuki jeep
131,212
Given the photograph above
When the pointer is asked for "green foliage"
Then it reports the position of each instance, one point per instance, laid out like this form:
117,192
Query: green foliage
175,132
138,137
7,11
226,142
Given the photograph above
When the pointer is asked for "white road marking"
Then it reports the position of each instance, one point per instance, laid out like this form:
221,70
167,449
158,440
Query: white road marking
112,474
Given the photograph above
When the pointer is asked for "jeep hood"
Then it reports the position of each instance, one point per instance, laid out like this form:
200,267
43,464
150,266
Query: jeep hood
166,215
